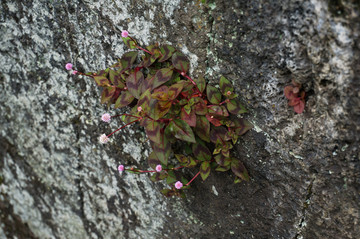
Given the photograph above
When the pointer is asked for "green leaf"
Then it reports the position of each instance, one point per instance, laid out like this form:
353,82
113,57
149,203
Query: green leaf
234,107
161,109
166,52
186,161
188,118
102,81
200,107
175,89
223,168
218,134
131,43
161,76
221,160
181,130
217,110
128,59
180,62
201,84
202,128
133,83
168,192
158,176
153,161
107,94
125,99
201,152
171,178
213,95
115,78
239,169
205,170
226,87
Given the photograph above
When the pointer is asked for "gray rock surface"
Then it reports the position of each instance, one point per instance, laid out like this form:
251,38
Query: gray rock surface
57,181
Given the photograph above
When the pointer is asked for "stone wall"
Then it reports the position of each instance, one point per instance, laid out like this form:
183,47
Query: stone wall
57,181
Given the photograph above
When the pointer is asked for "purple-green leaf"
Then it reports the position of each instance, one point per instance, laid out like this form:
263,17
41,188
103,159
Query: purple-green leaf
180,62
213,95
202,128
201,84
133,83
241,126
153,161
124,99
107,94
181,130
188,118
128,59
152,129
166,52
161,76
115,78
234,107
162,150
201,152
239,169
102,80
205,170
222,160
131,43
226,87
218,134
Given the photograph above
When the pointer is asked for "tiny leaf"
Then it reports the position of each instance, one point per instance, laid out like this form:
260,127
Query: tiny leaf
129,42
213,94
239,169
201,84
101,81
226,87
205,170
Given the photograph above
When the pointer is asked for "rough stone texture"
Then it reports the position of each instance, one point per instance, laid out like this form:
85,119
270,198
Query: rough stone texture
58,182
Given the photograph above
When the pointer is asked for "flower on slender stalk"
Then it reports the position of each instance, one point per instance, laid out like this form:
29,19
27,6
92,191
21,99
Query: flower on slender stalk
158,168
139,108
69,66
106,117
74,72
124,33
178,185
103,139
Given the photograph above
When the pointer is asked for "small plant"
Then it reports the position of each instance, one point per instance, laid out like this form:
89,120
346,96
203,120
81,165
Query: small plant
296,96
188,122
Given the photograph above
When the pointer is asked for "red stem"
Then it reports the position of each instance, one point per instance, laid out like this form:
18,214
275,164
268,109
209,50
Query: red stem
193,179
143,49
126,115
124,126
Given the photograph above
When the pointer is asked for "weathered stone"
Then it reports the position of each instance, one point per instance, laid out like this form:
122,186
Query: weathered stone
57,181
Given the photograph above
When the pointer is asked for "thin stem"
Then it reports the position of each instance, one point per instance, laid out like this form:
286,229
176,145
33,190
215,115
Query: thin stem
192,81
124,126
193,179
143,49
126,115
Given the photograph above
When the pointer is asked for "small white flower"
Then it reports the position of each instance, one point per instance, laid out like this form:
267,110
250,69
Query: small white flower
103,139
106,117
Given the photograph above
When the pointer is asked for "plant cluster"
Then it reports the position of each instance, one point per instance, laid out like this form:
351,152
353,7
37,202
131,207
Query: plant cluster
296,96
188,122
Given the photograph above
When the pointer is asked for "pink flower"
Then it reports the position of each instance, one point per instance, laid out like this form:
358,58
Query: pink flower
139,108
74,72
124,33
103,139
121,168
69,66
228,93
178,185
106,117
158,168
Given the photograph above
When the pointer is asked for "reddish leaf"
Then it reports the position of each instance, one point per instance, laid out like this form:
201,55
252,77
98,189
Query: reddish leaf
152,129
166,52
161,93
288,91
175,89
147,104
300,107
133,83
181,130
188,118
226,87
218,110
234,107
186,161
107,94
180,62
131,43
213,94
201,152
239,169
148,60
205,170
161,76
212,119
161,109
125,99
102,81
202,128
